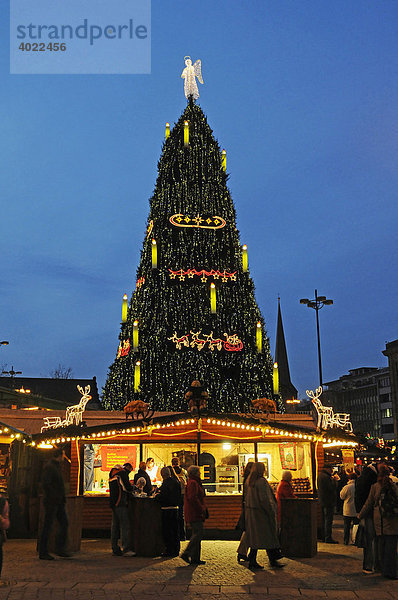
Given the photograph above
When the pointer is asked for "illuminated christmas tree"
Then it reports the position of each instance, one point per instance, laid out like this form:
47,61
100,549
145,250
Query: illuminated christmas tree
193,314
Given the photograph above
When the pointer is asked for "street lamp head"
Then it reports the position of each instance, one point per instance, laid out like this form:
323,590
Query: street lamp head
328,302
321,298
4,343
304,301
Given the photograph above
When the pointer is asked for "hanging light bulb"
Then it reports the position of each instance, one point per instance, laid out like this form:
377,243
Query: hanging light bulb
167,133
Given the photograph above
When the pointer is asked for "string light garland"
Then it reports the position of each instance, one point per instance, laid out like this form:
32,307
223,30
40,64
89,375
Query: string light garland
247,430
203,274
198,222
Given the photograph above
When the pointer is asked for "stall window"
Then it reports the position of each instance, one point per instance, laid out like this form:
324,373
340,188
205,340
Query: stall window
162,455
222,465
288,456
99,460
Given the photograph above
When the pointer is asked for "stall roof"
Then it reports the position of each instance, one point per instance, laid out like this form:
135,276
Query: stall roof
114,424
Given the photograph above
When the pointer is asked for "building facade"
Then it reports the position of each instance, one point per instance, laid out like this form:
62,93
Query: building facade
365,393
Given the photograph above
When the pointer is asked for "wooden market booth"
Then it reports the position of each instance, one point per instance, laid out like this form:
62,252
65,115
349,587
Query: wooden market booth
221,444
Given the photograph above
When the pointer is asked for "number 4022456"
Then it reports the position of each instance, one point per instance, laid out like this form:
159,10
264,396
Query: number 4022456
42,47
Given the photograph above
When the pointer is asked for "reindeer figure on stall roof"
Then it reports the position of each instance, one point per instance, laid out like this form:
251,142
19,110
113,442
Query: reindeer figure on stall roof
75,413
326,415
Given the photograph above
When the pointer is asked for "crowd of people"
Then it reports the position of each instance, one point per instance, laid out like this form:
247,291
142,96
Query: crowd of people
370,509
369,503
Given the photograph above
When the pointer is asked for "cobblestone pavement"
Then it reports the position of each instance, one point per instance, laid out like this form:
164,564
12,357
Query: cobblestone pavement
94,574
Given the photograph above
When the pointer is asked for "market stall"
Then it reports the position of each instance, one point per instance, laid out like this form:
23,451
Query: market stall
220,444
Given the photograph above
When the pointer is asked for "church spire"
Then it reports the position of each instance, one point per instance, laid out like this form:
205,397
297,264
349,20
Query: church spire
287,389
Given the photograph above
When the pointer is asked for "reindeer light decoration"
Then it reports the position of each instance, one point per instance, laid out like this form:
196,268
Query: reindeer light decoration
327,418
74,413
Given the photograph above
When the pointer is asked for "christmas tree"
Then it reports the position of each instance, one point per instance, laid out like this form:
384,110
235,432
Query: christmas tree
193,314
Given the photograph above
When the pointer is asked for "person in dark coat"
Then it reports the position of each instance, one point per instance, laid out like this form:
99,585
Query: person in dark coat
243,547
119,491
54,507
142,473
169,496
363,484
327,499
386,525
4,525
260,518
195,514
180,475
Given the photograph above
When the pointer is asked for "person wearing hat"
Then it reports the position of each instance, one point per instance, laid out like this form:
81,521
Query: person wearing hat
119,490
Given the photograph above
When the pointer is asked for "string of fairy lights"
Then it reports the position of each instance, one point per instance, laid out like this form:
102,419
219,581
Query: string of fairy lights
192,223
206,425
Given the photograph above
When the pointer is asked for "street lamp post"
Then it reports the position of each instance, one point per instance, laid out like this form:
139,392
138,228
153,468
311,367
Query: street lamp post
318,303
12,373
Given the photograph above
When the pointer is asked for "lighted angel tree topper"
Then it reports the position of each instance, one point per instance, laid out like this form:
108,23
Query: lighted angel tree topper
194,314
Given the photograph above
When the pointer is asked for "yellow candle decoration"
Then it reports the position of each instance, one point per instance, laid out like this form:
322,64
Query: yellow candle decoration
135,336
244,258
167,130
124,309
224,160
186,133
213,299
137,375
154,255
275,378
259,337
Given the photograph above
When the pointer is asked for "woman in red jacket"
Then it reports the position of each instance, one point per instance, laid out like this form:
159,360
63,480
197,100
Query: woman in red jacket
284,490
195,513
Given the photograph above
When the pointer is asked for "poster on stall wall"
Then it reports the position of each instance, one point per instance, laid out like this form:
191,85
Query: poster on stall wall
117,455
348,460
292,456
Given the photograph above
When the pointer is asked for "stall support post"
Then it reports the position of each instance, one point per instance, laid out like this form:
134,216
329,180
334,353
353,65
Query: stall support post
255,452
314,470
198,440
141,453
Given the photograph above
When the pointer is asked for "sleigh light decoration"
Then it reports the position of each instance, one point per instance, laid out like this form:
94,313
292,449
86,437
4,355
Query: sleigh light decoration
74,413
327,418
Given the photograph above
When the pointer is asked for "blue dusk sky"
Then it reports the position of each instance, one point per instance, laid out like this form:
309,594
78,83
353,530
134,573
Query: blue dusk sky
302,94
